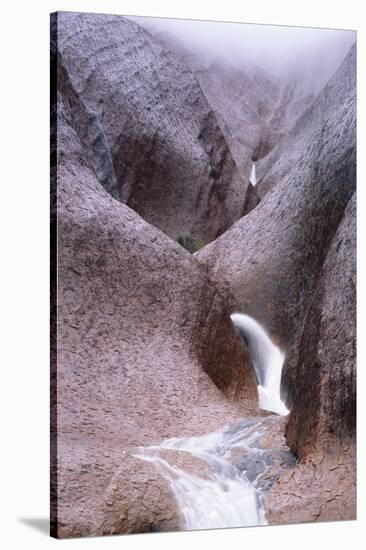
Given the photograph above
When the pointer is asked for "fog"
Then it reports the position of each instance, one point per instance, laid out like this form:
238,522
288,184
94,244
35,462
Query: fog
311,53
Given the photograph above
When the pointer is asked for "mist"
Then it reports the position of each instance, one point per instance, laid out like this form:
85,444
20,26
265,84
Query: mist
310,54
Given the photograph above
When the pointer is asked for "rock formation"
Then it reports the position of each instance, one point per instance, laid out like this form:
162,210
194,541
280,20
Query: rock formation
271,259
325,376
321,427
145,346
154,140
142,346
254,108
323,490
251,201
277,166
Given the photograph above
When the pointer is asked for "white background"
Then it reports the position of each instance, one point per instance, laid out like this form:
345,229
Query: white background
24,89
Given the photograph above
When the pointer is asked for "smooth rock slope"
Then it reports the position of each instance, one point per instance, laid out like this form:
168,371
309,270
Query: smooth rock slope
155,141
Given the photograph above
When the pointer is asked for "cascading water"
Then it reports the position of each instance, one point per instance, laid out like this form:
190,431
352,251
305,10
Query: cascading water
253,178
230,495
267,361
230,492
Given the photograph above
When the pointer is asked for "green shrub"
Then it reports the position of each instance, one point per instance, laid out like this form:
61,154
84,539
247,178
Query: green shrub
190,243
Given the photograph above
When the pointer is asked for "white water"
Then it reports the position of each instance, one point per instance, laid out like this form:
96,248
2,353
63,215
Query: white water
229,495
226,491
252,178
267,361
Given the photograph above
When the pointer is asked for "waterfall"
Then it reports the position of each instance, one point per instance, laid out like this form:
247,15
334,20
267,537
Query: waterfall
252,178
230,493
267,361
226,488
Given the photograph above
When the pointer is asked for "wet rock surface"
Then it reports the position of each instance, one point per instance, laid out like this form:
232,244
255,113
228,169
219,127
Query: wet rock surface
255,109
251,200
271,259
321,490
272,459
324,410
278,165
155,140
224,474
139,499
144,343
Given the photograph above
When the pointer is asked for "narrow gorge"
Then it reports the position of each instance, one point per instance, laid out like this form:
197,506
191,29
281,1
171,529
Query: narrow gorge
203,350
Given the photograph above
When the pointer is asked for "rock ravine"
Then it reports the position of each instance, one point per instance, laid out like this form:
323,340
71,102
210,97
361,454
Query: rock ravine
153,138
167,409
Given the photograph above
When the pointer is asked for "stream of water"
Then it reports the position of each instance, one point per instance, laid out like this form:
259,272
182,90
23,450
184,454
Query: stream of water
267,360
227,491
252,177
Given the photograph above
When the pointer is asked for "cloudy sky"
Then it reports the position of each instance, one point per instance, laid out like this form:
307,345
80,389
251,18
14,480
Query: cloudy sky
280,50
